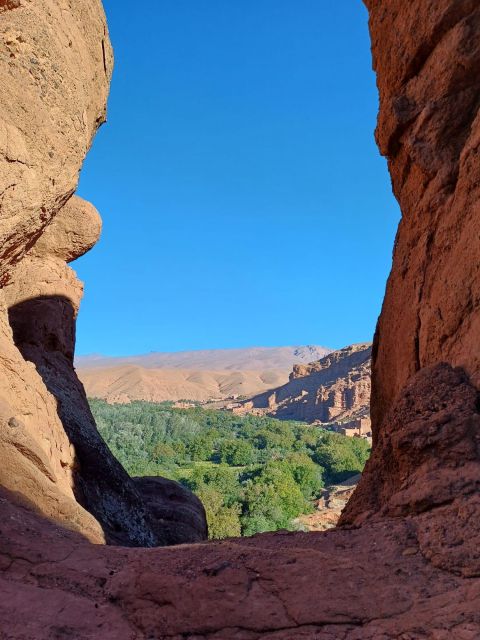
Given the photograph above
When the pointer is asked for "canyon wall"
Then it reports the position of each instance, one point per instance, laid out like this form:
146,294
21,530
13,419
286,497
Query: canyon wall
55,70
429,130
427,56
333,390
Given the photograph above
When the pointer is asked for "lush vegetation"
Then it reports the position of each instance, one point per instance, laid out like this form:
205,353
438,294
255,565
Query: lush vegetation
253,474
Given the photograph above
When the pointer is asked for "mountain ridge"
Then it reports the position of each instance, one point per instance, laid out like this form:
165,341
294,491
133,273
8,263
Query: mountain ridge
248,358
333,389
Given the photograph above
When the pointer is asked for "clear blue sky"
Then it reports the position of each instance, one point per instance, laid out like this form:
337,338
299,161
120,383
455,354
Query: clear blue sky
243,197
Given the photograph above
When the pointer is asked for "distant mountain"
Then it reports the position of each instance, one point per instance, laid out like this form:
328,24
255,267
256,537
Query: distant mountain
191,375
126,383
333,390
249,359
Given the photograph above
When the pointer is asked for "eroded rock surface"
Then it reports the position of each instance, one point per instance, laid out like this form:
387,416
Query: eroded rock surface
55,69
427,59
335,389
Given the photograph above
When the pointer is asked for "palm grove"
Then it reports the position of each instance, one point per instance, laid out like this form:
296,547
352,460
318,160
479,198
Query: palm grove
253,474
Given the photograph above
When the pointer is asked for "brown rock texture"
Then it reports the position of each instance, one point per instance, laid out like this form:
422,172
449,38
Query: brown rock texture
406,564
427,453
55,68
335,389
427,58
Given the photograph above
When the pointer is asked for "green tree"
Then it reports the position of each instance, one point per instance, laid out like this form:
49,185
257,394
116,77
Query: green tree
201,447
223,521
164,453
236,453
338,455
307,474
272,499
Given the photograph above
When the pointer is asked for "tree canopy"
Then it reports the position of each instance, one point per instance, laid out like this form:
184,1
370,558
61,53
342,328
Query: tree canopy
252,473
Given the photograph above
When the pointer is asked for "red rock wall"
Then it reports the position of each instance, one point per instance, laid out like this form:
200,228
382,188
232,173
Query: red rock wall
427,59
55,70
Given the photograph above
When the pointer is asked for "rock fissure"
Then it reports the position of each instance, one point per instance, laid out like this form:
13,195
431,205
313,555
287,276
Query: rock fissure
459,12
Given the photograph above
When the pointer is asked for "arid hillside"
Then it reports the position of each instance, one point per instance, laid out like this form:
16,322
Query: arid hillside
127,383
333,390
251,358
192,375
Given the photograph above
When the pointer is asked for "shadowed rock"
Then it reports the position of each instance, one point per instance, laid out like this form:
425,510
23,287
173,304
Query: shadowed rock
50,449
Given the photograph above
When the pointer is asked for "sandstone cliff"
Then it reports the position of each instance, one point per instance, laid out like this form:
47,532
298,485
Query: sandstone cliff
429,130
418,500
333,390
55,68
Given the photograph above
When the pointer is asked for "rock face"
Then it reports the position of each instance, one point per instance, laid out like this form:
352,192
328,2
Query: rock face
429,129
418,499
427,453
335,389
55,68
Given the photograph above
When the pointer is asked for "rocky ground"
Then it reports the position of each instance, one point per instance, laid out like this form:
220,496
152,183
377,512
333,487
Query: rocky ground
329,507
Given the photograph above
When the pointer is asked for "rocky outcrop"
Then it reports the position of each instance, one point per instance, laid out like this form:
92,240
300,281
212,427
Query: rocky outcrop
429,129
427,453
406,564
333,390
55,68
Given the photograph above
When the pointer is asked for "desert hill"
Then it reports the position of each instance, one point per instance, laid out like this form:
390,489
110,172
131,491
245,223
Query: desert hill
127,383
250,358
192,375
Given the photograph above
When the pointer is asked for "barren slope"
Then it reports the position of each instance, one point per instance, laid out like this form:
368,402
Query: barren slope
250,359
130,382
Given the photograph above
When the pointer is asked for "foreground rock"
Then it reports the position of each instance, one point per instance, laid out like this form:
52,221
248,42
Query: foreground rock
415,576
55,68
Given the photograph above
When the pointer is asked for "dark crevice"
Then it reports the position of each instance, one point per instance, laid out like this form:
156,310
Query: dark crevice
8,5
104,57
458,12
